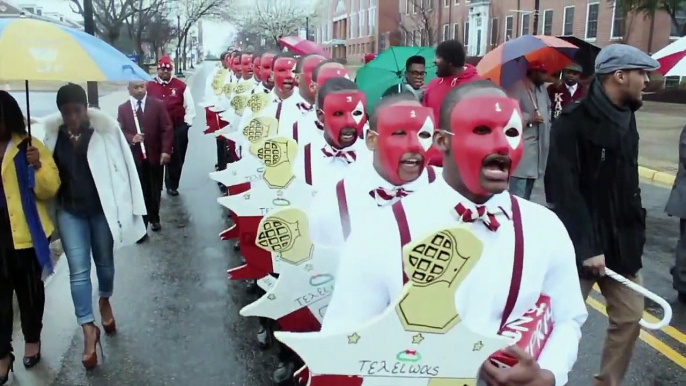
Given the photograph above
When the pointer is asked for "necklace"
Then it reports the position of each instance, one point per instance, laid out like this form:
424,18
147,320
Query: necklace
74,137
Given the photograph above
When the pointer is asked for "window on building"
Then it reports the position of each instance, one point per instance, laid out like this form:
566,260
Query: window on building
425,38
446,3
568,21
360,23
408,4
618,17
494,32
415,38
592,21
446,31
678,28
547,27
509,27
526,22
672,81
415,5
465,35
456,31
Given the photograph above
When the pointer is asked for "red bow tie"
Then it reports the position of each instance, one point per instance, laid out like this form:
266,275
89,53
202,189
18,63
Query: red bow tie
304,106
348,156
488,218
388,196
319,125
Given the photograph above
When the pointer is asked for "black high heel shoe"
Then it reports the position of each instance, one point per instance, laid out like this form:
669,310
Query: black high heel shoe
32,361
10,368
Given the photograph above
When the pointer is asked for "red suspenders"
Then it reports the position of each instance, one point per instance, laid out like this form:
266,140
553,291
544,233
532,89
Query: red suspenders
295,131
308,164
343,211
515,283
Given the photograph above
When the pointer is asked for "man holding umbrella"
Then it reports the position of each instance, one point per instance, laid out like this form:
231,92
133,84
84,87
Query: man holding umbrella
179,103
415,71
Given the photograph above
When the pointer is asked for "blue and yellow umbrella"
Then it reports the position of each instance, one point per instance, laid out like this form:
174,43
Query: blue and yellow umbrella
35,50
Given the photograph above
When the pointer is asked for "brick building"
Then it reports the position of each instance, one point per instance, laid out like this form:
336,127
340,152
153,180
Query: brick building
355,27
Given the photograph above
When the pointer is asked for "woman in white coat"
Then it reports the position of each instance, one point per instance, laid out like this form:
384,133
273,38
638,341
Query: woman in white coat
100,204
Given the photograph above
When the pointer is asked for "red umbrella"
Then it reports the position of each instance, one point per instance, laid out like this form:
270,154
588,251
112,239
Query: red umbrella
302,46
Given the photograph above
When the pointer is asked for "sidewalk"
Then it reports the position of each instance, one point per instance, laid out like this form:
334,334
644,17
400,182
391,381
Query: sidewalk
659,125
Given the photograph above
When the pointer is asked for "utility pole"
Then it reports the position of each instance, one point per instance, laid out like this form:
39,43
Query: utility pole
307,28
179,74
89,27
537,7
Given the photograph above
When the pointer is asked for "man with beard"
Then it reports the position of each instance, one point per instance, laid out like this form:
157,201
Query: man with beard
481,143
569,90
307,125
178,100
452,71
535,104
596,194
399,135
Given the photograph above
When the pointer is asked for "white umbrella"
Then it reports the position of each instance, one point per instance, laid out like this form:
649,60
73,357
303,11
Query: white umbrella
672,58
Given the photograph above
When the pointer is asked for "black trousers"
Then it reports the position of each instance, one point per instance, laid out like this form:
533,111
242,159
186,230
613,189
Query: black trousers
151,177
20,273
175,166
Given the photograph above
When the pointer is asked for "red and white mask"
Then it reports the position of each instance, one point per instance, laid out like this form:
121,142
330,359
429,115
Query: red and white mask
246,66
310,63
236,65
481,127
404,134
328,72
266,64
284,72
343,111
256,67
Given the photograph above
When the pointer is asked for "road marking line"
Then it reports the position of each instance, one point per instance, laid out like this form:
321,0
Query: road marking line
646,337
669,330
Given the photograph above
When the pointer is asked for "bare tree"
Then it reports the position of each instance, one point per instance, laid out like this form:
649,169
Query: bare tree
110,16
160,32
274,19
191,11
418,22
142,15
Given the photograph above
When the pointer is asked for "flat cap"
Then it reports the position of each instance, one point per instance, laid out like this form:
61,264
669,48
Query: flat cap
617,57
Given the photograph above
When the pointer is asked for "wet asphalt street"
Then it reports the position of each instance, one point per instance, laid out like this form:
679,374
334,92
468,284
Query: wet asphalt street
178,319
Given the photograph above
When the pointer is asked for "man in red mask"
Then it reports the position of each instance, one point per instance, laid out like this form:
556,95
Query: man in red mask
179,103
340,107
481,143
247,70
308,125
400,133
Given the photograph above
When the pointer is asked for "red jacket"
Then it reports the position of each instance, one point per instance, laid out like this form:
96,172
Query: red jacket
172,95
436,91
155,124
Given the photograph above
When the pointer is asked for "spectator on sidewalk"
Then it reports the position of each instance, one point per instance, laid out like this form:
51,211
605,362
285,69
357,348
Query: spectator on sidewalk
413,81
178,100
596,194
100,204
535,104
676,206
148,129
25,227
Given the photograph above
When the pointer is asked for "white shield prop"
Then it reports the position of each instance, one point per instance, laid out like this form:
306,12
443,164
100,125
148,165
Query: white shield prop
266,282
306,272
420,339
247,169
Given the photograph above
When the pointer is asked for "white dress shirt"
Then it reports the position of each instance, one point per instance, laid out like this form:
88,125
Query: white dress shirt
134,102
572,89
327,171
370,273
324,214
308,128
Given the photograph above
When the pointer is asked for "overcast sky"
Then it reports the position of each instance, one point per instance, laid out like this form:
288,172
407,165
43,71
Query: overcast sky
215,39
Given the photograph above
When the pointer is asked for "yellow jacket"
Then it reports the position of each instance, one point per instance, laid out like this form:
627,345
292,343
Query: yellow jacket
47,185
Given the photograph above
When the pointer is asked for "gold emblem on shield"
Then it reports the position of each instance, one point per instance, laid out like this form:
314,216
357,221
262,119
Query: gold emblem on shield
243,87
227,89
258,101
436,266
259,129
277,154
286,232
239,102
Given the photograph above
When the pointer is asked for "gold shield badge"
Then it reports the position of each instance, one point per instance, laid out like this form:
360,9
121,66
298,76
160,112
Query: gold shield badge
286,232
258,101
244,86
259,129
228,89
278,154
239,103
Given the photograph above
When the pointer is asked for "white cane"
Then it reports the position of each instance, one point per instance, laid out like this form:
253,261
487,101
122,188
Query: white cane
666,318
138,131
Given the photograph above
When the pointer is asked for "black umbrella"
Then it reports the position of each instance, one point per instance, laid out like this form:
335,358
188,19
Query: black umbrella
586,54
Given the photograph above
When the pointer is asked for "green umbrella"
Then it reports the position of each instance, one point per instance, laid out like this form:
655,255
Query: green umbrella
388,70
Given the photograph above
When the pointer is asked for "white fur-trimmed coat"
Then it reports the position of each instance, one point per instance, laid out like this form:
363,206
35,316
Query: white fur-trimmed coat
114,172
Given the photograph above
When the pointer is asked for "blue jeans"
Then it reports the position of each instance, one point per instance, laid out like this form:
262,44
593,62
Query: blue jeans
82,236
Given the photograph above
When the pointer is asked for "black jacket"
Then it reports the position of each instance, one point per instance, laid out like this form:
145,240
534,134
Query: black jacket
593,167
